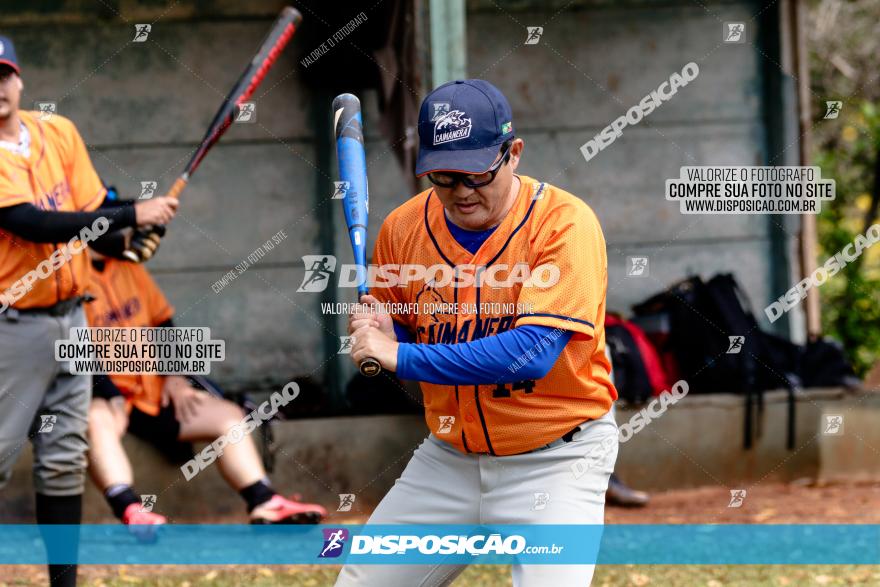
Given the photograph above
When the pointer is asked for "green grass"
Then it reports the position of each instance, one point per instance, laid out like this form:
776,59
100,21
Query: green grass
497,576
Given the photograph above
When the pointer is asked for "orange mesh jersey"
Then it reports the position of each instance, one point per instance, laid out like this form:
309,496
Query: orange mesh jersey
126,296
57,175
545,227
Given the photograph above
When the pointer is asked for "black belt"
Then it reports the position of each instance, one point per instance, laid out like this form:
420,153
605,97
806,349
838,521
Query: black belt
564,439
569,436
62,308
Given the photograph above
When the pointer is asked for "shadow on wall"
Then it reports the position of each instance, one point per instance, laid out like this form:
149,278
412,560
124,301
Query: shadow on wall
383,394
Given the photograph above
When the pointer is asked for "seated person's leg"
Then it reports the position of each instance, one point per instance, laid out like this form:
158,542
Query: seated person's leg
109,466
204,417
108,463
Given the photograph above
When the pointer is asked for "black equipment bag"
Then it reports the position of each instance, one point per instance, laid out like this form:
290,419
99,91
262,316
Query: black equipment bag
720,348
630,373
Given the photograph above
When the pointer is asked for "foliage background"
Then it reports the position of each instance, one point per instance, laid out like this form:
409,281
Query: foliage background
844,43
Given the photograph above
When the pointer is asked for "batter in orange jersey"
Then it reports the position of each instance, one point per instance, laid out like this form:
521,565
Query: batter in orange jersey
49,211
504,280
55,175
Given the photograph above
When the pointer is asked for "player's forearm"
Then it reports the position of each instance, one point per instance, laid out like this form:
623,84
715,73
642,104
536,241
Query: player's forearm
488,360
48,226
111,244
102,383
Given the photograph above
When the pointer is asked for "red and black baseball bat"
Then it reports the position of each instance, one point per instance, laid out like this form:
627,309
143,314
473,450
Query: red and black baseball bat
146,241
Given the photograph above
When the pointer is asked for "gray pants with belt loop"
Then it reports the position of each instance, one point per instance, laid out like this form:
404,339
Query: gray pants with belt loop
441,485
41,401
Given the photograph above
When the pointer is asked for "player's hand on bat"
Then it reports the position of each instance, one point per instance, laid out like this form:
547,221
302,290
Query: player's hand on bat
185,398
367,314
145,241
370,342
155,211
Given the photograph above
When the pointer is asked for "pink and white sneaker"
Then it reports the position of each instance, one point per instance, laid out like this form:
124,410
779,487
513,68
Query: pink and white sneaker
280,510
133,516
140,524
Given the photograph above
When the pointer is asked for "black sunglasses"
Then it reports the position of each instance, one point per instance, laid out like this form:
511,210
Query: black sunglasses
445,179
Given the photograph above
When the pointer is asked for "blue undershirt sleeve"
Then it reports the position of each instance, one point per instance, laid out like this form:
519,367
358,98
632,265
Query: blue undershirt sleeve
526,352
402,333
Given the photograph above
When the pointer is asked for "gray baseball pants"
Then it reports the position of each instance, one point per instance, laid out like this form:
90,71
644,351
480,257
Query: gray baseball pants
41,401
441,485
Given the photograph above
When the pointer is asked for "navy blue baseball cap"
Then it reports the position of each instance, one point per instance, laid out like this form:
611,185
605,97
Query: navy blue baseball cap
7,54
461,127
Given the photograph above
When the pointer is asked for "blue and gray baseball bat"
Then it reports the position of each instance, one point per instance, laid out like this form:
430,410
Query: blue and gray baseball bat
348,125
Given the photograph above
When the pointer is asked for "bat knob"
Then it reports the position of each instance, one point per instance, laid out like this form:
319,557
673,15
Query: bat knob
131,256
370,367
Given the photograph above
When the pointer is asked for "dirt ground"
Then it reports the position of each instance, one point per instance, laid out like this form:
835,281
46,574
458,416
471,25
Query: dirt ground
800,503
769,503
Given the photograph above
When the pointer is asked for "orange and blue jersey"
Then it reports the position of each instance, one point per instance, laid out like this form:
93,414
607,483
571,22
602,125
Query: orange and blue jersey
546,227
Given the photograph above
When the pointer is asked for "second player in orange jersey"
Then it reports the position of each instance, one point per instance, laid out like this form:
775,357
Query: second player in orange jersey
169,412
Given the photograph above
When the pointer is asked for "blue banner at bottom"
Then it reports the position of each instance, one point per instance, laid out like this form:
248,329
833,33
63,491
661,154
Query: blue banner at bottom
452,544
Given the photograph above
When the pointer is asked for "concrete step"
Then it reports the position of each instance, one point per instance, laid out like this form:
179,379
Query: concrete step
696,442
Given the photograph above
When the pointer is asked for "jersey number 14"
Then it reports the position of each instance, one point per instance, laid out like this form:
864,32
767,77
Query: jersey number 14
501,390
